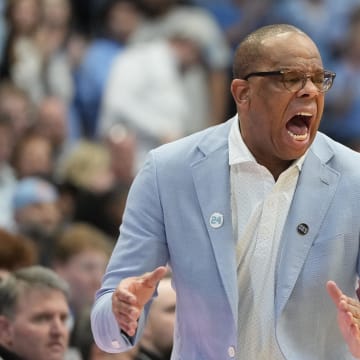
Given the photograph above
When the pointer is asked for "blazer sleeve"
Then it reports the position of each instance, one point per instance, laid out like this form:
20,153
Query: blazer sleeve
141,247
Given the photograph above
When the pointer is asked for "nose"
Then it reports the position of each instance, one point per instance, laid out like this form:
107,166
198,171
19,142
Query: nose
309,88
59,326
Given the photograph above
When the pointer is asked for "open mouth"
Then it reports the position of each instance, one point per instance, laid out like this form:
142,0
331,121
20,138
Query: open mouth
298,126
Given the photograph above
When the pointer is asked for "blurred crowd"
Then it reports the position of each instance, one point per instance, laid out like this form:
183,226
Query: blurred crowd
88,87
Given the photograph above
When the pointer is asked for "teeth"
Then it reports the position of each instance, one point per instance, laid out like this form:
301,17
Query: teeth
298,137
303,114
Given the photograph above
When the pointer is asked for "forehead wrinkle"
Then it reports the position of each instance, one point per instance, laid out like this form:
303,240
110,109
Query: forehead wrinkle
301,57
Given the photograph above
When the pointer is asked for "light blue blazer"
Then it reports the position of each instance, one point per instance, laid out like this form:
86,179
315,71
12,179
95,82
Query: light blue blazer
168,220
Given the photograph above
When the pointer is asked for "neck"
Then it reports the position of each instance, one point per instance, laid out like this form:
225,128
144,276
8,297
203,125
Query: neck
8,354
276,168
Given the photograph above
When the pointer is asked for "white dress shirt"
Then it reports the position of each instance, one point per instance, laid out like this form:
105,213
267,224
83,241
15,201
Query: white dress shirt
259,209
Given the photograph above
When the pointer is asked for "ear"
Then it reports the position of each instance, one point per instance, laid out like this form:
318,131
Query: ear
5,331
240,91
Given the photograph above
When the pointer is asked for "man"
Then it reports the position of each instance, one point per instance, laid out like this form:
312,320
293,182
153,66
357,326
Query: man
157,339
116,21
254,216
207,81
33,315
81,252
162,84
37,214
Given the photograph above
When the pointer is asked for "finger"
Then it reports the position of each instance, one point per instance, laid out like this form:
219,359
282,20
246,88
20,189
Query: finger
152,278
355,330
351,321
127,310
345,317
354,308
126,320
347,303
353,302
124,295
128,326
334,292
125,317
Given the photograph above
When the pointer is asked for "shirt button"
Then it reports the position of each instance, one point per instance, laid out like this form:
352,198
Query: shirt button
115,344
231,351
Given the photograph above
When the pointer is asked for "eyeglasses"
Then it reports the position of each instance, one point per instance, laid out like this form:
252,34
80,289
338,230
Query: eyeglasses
296,80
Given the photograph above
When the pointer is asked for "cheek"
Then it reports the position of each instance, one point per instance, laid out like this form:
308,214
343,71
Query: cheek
166,330
166,325
33,215
321,104
27,334
266,109
85,283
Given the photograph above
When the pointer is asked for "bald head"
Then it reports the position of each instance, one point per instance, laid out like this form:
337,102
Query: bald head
250,51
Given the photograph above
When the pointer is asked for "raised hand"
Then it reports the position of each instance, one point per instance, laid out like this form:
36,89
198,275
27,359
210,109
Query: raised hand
348,317
131,295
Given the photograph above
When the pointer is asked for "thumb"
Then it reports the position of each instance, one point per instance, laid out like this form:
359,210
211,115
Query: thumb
152,278
334,292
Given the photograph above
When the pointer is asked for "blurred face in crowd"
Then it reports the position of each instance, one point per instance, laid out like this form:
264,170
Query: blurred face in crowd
38,218
25,15
52,121
123,19
34,157
158,334
17,107
83,272
56,12
39,329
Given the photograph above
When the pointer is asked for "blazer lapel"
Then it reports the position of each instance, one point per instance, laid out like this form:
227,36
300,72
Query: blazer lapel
316,187
212,184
